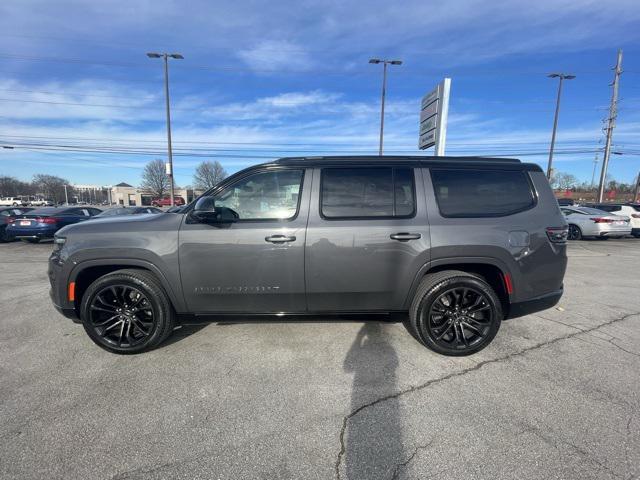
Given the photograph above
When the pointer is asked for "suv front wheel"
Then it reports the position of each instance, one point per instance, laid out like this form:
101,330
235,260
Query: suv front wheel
454,313
127,311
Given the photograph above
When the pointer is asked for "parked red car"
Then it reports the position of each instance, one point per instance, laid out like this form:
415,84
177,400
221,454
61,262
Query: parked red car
166,201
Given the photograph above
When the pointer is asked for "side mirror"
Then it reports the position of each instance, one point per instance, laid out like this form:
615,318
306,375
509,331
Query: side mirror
205,211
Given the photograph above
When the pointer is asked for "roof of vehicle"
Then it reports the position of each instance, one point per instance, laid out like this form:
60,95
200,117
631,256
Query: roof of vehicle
614,204
421,160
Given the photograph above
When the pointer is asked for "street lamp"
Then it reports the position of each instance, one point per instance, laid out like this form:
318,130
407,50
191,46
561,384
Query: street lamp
385,62
166,57
562,77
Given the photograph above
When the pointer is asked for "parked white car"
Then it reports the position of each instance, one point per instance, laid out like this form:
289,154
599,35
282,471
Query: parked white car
41,203
591,222
12,202
628,210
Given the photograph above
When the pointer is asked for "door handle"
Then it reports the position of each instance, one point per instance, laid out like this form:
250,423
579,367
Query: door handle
280,238
404,236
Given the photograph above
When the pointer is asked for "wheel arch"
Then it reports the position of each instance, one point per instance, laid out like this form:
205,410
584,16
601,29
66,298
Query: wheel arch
491,270
85,273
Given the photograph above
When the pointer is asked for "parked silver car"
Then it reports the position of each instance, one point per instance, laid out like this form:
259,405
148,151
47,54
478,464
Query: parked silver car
591,222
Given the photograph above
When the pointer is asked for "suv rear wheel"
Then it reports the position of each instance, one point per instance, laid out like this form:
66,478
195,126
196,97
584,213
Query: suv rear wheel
454,313
127,311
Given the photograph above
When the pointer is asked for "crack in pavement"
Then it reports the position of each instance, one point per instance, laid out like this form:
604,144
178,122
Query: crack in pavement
402,465
435,381
588,332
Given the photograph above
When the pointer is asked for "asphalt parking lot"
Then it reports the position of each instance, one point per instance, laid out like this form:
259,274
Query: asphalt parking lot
557,394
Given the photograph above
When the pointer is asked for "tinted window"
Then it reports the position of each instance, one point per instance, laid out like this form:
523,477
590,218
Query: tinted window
367,192
481,193
263,196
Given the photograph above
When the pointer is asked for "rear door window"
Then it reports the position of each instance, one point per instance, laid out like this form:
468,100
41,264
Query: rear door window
380,192
481,192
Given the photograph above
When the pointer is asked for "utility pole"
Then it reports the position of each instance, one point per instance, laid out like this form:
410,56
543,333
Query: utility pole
384,92
166,57
66,197
562,78
613,113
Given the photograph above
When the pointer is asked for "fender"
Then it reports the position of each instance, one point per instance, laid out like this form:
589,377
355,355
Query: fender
451,261
175,297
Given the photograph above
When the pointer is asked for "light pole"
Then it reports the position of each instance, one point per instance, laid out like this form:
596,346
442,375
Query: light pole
562,77
166,57
385,62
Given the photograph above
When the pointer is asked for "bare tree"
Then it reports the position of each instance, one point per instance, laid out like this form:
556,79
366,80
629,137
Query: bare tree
154,179
563,181
208,174
11,186
51,187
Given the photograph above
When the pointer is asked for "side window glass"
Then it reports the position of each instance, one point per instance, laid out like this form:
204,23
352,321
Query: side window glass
270,195
481,193
383,192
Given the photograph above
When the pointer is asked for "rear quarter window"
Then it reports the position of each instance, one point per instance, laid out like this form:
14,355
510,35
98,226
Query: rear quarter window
481,192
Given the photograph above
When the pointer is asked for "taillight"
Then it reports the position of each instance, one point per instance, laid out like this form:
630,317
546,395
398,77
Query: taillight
601,220
9,219
635,215
48,220
558,234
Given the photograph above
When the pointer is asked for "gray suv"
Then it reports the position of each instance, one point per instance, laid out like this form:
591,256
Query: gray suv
452,245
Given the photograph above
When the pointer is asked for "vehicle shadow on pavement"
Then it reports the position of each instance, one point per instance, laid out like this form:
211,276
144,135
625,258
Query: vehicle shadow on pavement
183,332
373,437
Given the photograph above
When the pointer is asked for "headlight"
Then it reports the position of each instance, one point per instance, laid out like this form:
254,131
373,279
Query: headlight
58,243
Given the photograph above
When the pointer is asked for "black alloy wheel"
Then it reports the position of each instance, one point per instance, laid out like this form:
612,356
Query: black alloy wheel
122,316
454,313
574,232
460,318
127,311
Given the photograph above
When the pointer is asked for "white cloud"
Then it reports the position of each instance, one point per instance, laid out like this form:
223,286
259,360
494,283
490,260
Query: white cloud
270,56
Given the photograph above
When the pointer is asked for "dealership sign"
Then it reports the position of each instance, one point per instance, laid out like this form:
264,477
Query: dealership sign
433,118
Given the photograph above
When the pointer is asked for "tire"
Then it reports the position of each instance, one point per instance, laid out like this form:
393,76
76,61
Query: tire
4,236
145,323
574,232
454,333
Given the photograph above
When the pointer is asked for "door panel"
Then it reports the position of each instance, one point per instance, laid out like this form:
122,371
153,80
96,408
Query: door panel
253,265
355,264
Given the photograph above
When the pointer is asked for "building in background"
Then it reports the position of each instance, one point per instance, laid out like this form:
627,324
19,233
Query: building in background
129,196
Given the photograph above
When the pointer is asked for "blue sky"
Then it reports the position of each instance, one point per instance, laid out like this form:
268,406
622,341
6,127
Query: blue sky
267,79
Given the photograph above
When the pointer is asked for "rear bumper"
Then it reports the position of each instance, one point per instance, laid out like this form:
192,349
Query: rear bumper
533,305
17,232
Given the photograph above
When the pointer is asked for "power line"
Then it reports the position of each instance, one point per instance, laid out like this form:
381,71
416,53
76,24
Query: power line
332,71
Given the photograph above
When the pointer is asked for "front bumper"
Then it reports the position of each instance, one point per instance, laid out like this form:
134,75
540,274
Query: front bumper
58,291
536,304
